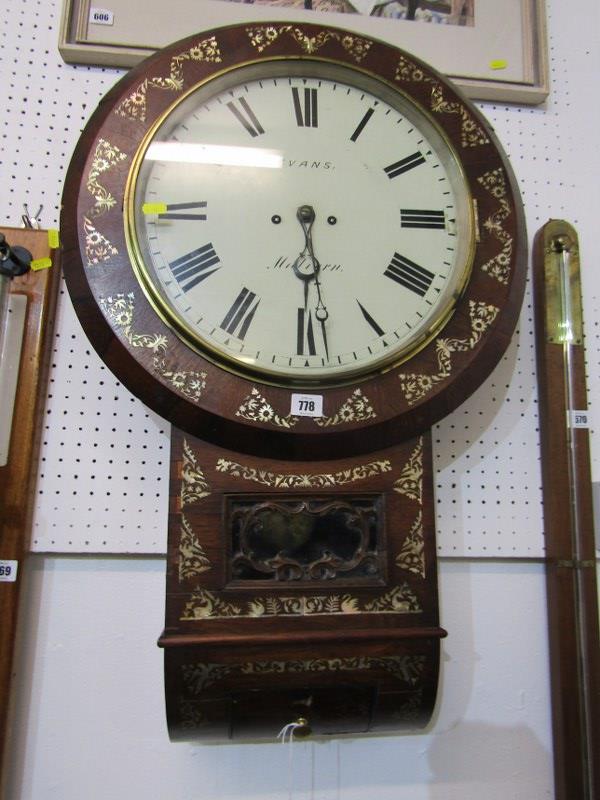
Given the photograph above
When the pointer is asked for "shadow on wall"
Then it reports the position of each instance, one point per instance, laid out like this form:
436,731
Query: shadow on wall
504,761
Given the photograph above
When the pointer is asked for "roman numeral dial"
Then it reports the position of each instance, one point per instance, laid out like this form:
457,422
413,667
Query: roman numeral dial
433,220
176,211
241,313
305,338
342,292
405,164
362,124
194,267
245,116
370,320
184,211
410,275
305,107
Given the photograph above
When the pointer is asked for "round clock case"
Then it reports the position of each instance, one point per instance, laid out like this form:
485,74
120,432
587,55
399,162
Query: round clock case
296,244
292,240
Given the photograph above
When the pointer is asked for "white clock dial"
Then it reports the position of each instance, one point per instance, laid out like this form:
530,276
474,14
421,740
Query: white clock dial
309,229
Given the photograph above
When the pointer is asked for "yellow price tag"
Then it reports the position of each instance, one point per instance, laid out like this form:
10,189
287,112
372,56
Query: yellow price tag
499,63
53,239
154,208
40,263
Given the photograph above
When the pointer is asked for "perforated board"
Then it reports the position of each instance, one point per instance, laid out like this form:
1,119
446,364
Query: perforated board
103,473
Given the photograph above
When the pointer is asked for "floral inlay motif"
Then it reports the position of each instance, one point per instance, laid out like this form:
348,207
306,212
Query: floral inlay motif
192,715
262,36
192,558
194,485
410,482
198,676
97,247
105,157
410,709
472,133
256,408
120,310
357,408
206,605
498,266
400,599
134,106
412,553
305,480
415,387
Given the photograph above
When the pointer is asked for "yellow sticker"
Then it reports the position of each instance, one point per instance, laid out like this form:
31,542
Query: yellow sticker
154,208
499,63
53,239
40,263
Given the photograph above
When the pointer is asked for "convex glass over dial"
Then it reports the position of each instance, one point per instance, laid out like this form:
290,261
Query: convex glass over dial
303,228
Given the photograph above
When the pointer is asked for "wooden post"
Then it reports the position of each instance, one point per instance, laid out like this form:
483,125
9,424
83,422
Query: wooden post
17,477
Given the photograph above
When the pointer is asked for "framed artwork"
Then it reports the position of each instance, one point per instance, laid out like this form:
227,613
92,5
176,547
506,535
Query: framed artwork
493,51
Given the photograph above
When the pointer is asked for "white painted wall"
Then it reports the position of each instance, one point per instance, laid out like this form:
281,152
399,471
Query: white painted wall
88,713
90,718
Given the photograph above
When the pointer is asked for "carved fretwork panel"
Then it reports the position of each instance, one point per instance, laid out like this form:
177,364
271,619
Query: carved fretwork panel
299,539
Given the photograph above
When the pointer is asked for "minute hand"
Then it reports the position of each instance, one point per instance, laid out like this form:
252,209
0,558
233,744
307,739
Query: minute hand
321,312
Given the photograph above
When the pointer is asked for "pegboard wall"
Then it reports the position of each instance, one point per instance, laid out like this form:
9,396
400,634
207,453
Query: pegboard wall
103,473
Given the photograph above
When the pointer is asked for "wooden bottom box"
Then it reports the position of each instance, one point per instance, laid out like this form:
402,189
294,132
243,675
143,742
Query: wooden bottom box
327,688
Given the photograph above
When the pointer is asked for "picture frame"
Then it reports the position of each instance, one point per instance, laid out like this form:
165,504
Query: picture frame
502,57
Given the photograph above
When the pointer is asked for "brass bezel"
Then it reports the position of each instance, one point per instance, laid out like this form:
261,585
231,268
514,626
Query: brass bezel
228,362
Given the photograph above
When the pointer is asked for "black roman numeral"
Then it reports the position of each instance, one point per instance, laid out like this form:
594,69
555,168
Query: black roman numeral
408,274
174,211
361,124
377,328
194,267
305,334
412,218
309,117
246,116
404,165
240,315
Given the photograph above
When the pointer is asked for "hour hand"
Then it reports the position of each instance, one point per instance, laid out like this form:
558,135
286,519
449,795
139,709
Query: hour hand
307,268
306,265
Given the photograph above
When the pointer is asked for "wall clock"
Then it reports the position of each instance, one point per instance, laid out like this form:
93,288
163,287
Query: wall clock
303,247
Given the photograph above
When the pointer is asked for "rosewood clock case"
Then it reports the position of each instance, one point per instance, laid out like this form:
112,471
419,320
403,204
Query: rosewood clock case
301,579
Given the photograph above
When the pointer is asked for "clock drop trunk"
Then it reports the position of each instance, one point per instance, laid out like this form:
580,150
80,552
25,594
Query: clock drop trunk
300,592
